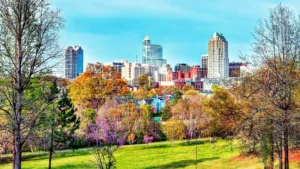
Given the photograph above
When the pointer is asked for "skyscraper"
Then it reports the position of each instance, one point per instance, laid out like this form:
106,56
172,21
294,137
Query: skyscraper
217,61
152,54
204,60
73,62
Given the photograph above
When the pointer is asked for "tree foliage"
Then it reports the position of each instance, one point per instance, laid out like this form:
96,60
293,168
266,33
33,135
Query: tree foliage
95,85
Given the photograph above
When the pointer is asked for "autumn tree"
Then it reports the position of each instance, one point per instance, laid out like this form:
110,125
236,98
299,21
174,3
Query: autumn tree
224,112
187,87
95,85
176,97
141,94
166,112
167,90
29,32
145,118
276,49
174,129
131,138
145,82
259,129
190,111
156,91
197,118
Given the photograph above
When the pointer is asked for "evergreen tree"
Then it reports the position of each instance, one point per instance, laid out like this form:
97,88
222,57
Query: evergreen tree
62,122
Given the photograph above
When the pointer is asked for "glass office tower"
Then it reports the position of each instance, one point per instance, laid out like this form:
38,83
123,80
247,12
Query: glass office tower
73,62
152,54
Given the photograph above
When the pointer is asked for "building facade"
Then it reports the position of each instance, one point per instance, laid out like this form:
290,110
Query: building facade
235,68
217,60
151,53
73,62
183,67
131,72
204,60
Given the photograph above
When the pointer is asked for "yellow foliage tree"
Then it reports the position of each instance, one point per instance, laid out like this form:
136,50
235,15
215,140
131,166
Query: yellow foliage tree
174,129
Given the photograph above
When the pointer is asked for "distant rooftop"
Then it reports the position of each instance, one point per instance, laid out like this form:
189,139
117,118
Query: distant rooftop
217,34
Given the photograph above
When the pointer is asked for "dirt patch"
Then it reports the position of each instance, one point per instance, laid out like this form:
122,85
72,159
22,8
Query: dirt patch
294,155
242,157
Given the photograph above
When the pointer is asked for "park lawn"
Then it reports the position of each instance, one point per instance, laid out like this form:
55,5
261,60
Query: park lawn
156,156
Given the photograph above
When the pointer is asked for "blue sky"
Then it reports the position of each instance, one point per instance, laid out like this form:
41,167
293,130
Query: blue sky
109,30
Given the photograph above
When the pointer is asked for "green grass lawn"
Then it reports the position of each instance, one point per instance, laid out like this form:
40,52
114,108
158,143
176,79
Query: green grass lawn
156,156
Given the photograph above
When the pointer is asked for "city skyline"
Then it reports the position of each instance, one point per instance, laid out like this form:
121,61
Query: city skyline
183,29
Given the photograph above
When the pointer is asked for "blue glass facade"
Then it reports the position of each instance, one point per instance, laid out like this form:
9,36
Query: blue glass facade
79,53
73,62
151,52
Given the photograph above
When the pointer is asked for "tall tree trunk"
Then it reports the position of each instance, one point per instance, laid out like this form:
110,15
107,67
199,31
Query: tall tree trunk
18,111
19,101
286,146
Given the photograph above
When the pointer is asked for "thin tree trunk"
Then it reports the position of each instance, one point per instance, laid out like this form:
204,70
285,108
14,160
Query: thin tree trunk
272,152
50,158
196,152
280,153
14,153
51,148
286,146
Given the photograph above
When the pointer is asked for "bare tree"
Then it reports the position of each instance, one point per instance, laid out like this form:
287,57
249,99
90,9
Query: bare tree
28,48
277,49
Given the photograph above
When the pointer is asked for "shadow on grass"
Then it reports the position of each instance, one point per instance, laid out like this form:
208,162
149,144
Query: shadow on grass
153,146
181,164
191,143
69,166
28,157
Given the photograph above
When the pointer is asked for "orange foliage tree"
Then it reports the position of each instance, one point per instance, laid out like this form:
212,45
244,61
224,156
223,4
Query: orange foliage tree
95,85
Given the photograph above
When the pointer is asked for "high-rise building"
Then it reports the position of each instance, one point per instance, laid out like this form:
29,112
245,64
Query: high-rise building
73,62
183,67
204,60
152,54
217,60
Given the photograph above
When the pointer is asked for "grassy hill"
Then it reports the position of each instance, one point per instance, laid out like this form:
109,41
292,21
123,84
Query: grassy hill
162,155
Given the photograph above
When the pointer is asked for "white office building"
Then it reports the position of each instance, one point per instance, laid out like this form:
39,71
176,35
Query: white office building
131,72
217,60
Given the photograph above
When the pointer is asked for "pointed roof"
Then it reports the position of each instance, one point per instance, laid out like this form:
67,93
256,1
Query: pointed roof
146,37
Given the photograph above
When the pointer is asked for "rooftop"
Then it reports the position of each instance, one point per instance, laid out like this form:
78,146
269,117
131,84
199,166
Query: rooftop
146,37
